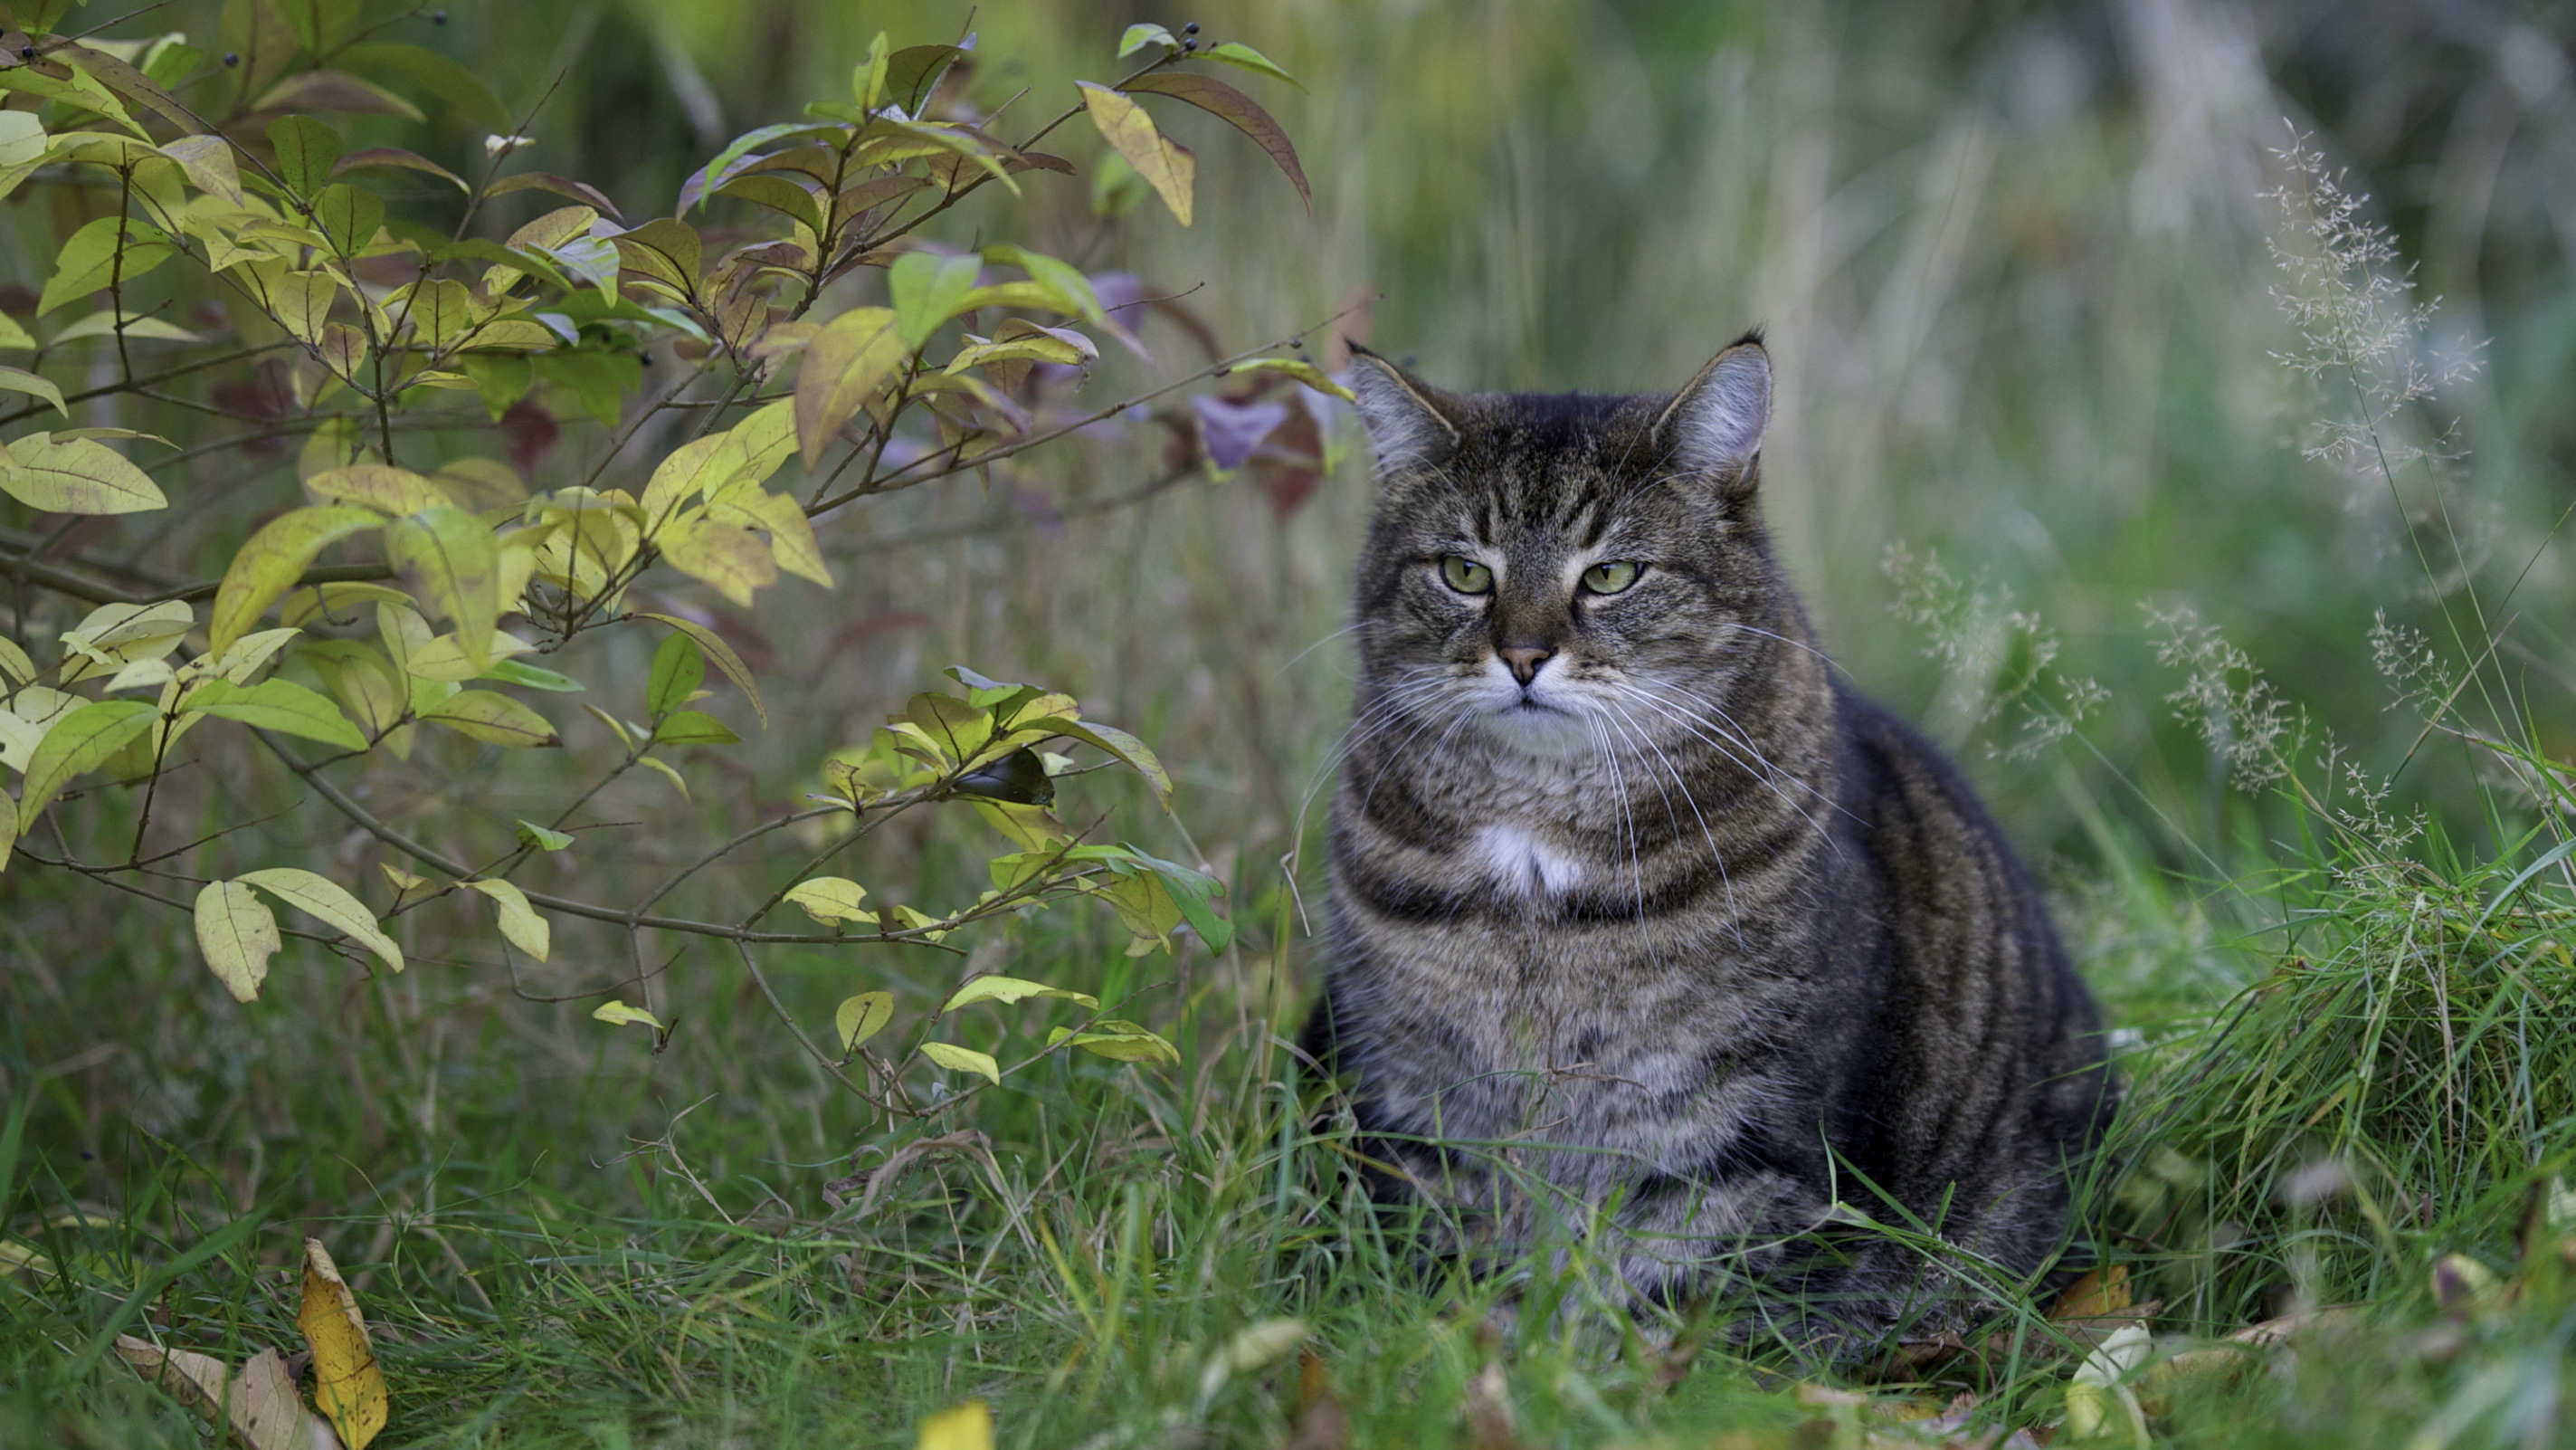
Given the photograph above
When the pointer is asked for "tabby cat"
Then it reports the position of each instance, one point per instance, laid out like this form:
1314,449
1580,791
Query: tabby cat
1645,926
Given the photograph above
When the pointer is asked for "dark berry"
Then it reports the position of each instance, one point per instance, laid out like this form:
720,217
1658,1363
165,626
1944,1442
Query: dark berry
232,57
1190,29
438,17
1189,45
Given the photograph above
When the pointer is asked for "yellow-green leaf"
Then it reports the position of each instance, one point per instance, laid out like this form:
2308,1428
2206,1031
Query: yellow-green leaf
544,838
19,380
1137,37
396,491
1129,750
655,763
618,1014
327,901
728,558
828,899
302,302
1166,166
272,561
104,322
280,705
362,679
967,1427
850,361
1118,1041
75,476
493,719
520,923
8,829
348,1387
1011,989
208,160
445,658
1236,53
693,727
1300,369
238,934
791,536
928,290
962,1059
862,1017
90,261
449,559
78,742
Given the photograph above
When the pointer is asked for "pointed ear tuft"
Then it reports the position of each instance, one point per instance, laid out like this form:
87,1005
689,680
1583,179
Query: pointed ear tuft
1715,423
1408,422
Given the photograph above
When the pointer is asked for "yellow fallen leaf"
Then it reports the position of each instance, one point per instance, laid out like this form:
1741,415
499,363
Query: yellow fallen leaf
348,1387
2099,1294
967,1427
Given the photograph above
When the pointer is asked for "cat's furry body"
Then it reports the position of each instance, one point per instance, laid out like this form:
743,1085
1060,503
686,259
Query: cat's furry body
1645,926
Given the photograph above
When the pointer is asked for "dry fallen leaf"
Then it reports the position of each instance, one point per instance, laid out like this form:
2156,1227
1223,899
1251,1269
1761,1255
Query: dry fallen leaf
1322,1423
348,1387
259,1404
190,1378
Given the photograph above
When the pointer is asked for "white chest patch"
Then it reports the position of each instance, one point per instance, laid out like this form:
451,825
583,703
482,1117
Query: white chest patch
1519,861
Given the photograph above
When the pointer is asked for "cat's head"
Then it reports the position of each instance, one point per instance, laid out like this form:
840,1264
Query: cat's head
1567,573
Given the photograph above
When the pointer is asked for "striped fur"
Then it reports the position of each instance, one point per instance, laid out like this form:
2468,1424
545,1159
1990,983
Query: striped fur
1668,943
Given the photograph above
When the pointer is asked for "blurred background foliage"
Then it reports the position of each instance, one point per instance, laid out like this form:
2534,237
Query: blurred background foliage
2013,262
2011,258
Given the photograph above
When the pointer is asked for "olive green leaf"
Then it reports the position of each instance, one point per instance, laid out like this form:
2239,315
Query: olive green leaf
306,150
849,362
1238,110
719,652
678,666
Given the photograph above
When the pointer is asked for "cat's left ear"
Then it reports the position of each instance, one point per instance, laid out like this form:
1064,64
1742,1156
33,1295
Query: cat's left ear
1714,424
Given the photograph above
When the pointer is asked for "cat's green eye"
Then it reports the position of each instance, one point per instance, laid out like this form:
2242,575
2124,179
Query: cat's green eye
1609,578
1465,575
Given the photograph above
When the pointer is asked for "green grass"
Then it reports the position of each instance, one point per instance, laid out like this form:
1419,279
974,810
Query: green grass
2023,322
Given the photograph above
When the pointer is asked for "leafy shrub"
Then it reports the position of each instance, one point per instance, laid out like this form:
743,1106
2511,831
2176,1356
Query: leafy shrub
445,575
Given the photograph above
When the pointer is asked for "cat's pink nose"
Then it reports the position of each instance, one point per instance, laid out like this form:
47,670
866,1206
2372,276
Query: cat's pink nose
1525,660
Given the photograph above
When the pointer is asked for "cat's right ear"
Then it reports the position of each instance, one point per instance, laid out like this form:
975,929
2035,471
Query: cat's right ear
1408,422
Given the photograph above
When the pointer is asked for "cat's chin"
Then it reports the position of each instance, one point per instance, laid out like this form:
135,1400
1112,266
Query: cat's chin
1537,730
